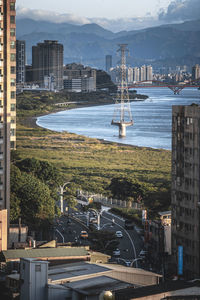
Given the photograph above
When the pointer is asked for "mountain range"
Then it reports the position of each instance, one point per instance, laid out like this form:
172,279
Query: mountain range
171,44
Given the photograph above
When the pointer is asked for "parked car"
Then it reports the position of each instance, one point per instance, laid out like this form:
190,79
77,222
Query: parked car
118,234
116,252
83,235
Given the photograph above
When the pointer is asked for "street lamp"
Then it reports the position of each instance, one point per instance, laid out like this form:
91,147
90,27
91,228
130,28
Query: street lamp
61,195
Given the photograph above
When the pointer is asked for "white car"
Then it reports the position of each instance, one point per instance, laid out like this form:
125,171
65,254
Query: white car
118,234
116,252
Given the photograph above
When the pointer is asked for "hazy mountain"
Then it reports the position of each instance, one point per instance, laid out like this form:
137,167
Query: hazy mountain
90,43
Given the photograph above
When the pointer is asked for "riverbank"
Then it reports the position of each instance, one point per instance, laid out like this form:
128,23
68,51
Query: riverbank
92,163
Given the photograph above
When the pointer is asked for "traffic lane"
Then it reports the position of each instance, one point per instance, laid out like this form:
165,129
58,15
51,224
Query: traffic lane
70,231
136,238
126,246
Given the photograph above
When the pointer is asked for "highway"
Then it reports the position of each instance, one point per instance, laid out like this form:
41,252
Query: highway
130,244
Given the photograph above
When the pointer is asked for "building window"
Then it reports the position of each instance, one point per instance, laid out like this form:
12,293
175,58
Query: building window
12,107
12,31
12,19
12,82
12,144
12,121
12,94
12,57
12,6
12,132
12,44
37,268
13,70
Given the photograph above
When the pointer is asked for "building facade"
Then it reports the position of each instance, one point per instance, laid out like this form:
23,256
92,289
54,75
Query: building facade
77,78
47,60
7,96
20,62
108,63
186,187
196,72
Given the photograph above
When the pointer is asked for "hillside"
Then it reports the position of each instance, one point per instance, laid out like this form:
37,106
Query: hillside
90,43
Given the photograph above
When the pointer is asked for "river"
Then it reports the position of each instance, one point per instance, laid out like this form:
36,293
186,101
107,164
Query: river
152,119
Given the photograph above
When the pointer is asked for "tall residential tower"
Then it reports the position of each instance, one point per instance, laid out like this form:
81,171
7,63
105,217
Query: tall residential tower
47,62
186,188
7,96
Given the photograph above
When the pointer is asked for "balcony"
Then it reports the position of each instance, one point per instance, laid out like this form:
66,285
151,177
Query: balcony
1,186
1,155
1,170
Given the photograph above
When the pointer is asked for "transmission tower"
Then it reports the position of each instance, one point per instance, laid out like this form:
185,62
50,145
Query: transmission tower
122,114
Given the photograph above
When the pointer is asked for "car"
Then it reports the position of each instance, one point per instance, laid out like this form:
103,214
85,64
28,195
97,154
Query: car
83,234
143,254
116,252
93,220
118,234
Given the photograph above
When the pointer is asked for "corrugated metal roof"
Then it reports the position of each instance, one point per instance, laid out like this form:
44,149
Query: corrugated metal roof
48,252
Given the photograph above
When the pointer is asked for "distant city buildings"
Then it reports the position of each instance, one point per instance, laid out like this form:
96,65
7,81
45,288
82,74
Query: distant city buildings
108,63
196,72
185,189
77,78
47,64
136,74
20,62
7,101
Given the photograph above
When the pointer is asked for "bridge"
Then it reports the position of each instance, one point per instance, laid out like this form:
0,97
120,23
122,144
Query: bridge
176,88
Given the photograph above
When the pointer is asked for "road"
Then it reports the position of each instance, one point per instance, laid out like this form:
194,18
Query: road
130,245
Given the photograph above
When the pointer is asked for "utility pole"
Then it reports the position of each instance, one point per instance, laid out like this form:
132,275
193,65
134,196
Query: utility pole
122,114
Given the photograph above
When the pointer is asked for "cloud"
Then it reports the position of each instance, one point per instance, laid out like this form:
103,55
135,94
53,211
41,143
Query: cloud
44,15
114,25
181,10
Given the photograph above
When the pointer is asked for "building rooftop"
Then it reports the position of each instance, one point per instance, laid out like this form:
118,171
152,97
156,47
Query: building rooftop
134,293
96,285
70,271
44,253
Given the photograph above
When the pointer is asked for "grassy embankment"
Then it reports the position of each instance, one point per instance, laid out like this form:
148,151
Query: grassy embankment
90,163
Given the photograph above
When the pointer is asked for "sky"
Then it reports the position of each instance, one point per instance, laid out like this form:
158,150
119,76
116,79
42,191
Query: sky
98,8
114,15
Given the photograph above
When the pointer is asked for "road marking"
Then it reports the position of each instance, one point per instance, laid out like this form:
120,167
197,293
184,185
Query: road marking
133,246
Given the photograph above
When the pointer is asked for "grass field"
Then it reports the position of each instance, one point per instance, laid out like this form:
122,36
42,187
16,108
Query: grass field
91,163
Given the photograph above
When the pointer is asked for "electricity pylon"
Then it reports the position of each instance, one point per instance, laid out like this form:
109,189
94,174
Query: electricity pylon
122,113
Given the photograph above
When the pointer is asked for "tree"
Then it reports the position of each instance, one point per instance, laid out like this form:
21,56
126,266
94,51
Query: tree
41,169
30,198
126,189
36,202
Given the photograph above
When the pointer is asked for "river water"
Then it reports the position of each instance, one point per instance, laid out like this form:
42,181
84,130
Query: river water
152,119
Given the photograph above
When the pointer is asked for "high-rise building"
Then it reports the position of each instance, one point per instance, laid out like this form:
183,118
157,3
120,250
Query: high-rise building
149,73
7,96
108,62
20,62
186,188
47,60
143,73
196,72
136,74
130,75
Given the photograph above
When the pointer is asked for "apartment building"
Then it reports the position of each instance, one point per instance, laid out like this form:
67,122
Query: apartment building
20,62
47,60
7,96
186,188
